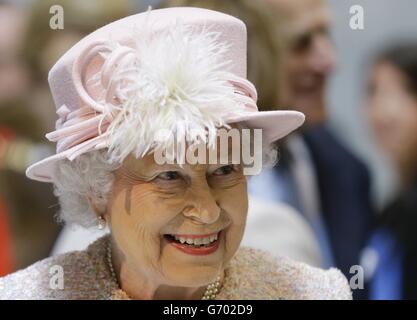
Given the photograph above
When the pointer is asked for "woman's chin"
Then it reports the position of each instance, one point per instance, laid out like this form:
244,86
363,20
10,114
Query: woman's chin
193,276
191,266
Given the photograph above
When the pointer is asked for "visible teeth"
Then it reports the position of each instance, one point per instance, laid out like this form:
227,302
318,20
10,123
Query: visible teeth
196,241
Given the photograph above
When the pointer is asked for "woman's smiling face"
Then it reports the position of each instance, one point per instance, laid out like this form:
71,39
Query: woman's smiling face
178,225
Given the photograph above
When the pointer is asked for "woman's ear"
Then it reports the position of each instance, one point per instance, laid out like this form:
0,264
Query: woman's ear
99,208
96,206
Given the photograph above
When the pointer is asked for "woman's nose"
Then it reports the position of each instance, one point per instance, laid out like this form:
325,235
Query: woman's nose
203,207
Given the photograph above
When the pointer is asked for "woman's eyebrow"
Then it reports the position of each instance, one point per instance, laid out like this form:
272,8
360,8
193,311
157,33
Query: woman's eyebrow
134,173
158,168
166,166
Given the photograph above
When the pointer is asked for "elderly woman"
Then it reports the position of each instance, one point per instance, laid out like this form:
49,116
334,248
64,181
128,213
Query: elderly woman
133,99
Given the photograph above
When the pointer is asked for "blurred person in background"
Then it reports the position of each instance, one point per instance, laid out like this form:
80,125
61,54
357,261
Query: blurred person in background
6,254
317,174
392,107
23,240
13,80
272,226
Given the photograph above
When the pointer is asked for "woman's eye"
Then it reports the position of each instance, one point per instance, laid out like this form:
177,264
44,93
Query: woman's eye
169,175
225,170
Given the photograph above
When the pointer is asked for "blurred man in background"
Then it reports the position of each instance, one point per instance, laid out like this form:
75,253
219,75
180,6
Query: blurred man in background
317,174
20,199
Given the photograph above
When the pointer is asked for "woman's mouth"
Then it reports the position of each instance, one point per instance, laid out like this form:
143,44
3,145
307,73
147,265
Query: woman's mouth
195,244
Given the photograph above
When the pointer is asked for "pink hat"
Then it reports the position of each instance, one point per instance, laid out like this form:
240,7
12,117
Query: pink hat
180,69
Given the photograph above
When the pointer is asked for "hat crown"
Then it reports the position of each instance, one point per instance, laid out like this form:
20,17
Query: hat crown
130,30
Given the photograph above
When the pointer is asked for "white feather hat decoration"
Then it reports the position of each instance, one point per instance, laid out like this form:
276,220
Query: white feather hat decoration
176,81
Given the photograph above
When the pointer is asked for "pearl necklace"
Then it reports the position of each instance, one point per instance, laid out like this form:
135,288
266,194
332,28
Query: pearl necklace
210,294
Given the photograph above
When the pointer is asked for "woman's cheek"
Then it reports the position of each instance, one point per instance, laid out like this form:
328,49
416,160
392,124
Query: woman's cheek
234,203
233,198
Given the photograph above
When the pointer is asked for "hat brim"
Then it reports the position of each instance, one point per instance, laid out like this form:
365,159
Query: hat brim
275,125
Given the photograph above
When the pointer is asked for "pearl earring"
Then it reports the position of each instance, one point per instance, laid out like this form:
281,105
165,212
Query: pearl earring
101,223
